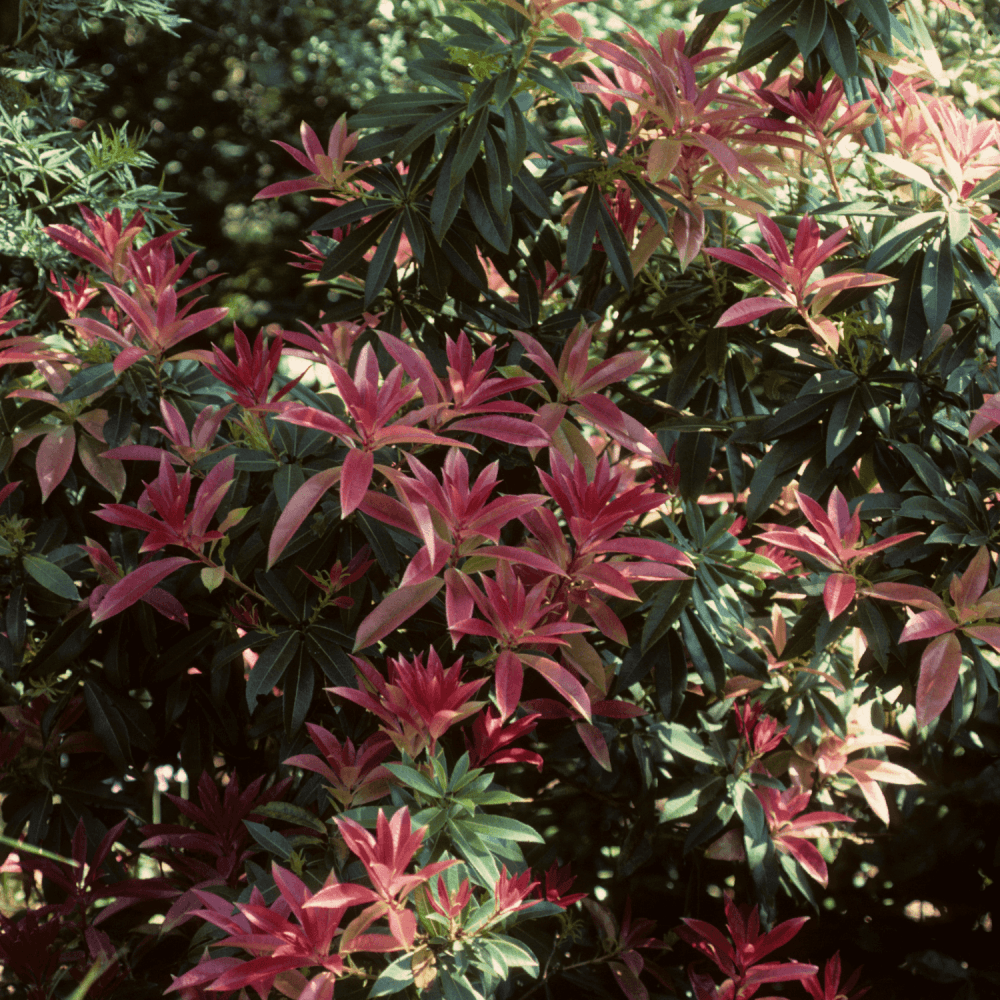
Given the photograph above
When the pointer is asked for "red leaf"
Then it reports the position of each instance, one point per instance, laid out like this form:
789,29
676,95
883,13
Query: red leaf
394,610
55,454
355,477
750,309
131,588
509,680
926,625
595,743
838,593
297,510
938,675
990,634
563,681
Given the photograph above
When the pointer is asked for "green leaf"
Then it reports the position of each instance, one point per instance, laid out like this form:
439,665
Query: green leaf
51,577
502,828
517,135
926,470
469,145
297,693
986,186
959,223
843,424
484,216
109,725
903,236
384,260
810,24
271,841
876,13
553,78
270,666
767,23
907,323
289,813
514,953
839,44
680,740
328,648
650,201
614,246
353,249
412,778
582,229
394,978
475,854
937,281
90,380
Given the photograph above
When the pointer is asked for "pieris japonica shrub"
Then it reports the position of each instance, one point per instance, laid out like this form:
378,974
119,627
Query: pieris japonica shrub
618,568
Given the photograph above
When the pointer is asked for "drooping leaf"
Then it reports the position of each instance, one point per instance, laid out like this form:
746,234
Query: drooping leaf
394,610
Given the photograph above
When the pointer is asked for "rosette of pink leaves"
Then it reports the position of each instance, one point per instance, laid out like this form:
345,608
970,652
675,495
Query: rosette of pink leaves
971,612
740,961
835,544
792,829
788,276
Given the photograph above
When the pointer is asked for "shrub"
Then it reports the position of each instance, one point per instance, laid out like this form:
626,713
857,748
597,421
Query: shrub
584,541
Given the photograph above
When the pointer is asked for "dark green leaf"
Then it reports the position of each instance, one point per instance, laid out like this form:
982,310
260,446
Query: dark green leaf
876,13
328,648
395,977
469,145
89,381
614,246
901,238
109,725
483,215
810,23
16,618
907,323
517,136
843,424
937,281
582,229
767,23
353,249
447,197
270,666
553,78
271,841
839,44
384,260
773,471
352,212
119,423
297,692
51,577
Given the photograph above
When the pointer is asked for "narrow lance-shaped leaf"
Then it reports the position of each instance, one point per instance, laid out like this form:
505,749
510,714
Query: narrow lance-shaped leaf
939,668
394,610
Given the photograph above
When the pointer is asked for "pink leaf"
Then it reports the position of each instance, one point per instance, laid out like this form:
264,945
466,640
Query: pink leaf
132,587
838,593
563,681
926,625
939,668
109,472
297,510
509,681
394,610
55,454
968,588
595,743
749,310
355,477
990,634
